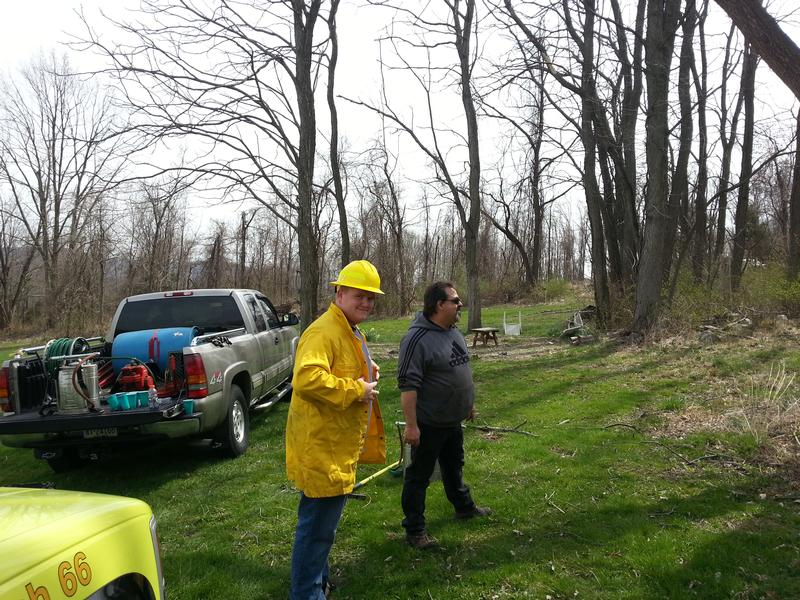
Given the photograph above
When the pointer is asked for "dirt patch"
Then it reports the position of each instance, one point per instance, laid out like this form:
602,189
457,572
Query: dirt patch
693,419
522,350
517,350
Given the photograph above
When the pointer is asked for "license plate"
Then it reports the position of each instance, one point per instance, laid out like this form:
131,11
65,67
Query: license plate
100,433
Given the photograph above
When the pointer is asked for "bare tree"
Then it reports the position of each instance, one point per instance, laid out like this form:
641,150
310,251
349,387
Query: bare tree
16,256
727,132
155,225
587,42
678,204
615,146
793,262
379,184
662,23
59,157
215,262
240,79
457,31
517,210
336,174
750,62
241,243
700,226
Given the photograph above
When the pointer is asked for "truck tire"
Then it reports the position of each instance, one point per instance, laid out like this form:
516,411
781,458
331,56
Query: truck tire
234,433
68,461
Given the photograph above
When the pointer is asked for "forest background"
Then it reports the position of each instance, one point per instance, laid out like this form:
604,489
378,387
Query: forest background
642,145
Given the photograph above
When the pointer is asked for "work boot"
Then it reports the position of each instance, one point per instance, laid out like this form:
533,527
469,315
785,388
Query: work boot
475,511
421,541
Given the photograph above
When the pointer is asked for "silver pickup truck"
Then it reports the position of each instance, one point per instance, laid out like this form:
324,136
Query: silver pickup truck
173,364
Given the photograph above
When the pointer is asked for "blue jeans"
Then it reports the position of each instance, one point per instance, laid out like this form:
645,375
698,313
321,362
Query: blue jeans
317,519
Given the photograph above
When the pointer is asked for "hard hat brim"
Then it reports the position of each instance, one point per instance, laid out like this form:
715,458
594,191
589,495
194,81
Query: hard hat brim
366,288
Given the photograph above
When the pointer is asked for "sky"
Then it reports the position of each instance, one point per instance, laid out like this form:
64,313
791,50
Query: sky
33,25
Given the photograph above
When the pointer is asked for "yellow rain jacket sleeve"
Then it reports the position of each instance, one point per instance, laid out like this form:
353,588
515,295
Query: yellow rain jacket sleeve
327,421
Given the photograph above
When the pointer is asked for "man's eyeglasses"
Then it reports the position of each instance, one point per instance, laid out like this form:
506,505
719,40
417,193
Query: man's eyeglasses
455,300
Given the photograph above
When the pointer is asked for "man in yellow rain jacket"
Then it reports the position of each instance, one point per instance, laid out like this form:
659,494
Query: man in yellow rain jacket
333,417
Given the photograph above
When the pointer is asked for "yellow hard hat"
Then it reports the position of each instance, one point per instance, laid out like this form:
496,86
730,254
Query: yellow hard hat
360,274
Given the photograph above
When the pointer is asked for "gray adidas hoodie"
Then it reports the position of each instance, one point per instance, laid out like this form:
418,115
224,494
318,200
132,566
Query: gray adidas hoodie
435,362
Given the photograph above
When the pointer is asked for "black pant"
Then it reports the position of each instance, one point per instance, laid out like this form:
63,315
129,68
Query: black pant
447,445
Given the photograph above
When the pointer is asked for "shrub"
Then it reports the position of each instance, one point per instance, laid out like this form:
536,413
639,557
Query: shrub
692,305
768,288
551,290
767,405
372,335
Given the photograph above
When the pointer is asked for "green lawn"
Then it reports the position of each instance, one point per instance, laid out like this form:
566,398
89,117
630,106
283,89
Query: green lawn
595,505
537,321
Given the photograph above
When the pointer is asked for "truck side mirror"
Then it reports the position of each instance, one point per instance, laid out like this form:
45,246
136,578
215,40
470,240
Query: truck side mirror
290,319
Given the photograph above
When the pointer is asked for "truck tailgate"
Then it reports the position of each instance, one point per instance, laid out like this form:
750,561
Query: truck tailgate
35,423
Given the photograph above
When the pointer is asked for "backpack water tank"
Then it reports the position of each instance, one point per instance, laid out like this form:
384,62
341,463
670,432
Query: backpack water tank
151,346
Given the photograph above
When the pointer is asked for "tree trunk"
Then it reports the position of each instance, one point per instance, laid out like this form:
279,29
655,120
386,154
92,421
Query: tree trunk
304,21
591,188
743,200
794,213
626,177
679,193
768,40
727,141
610,220
463,37
662,20
336,175
700,241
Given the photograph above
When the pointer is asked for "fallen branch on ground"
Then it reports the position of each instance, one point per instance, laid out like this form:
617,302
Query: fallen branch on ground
553,504
636,429
502,429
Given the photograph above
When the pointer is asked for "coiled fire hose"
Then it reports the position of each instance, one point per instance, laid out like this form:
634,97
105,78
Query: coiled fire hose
61,347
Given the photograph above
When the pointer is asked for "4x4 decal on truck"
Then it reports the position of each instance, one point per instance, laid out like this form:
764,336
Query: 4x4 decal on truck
216,378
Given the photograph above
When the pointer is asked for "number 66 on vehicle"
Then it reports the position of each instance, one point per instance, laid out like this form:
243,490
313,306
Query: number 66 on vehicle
60,545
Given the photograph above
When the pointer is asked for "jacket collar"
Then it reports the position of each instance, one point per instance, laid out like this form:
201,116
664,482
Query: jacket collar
339,316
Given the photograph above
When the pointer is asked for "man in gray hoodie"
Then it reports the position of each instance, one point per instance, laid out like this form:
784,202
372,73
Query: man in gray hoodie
437,393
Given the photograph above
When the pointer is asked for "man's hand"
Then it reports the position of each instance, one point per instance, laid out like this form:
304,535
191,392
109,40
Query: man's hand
376,371
471,415
370,393
411,435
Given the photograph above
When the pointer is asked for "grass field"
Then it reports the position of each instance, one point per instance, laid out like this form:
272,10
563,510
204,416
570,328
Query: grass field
600,502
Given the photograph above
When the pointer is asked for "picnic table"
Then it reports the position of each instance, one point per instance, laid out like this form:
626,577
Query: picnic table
484,334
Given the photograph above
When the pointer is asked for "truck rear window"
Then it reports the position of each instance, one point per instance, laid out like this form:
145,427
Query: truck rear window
207,313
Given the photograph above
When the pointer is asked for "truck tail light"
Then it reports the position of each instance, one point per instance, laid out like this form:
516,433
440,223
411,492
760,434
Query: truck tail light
195,373
5,397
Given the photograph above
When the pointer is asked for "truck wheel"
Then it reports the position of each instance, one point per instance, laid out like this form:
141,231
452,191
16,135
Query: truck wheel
68,461
234,434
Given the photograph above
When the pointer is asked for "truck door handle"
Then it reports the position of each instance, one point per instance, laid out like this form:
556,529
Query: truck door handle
276,340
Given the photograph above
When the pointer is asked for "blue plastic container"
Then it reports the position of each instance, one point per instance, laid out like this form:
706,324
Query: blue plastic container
113,402
124,402
151,345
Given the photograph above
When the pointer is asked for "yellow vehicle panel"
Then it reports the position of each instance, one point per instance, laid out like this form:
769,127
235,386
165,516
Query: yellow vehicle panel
68,545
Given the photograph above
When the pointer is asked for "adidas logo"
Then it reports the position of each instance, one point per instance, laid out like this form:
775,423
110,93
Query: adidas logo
458,356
